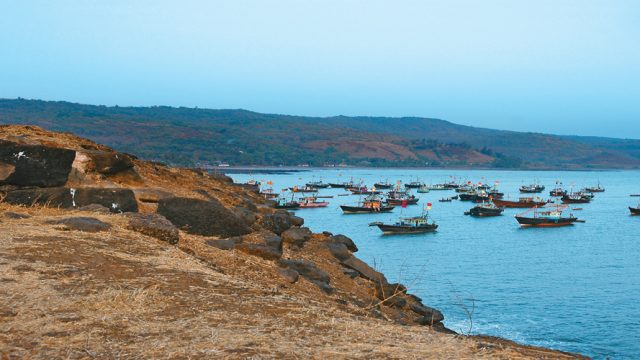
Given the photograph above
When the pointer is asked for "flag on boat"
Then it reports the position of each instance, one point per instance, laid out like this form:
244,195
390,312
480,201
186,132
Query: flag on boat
404,203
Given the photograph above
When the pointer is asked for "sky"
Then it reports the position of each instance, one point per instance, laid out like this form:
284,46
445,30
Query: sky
553,66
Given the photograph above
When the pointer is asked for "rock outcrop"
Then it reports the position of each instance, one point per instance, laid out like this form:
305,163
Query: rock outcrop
154,225
34,165
202,217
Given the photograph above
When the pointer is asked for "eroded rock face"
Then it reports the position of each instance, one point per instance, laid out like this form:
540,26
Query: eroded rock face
116,200
341,239
202,217
109,163
34,165
154,225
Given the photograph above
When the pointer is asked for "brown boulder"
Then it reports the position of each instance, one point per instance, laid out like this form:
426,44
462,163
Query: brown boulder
277,222
202,217
154,225
51,197
264,251
296,236
341,239
225,244
364,270
309,271
109,162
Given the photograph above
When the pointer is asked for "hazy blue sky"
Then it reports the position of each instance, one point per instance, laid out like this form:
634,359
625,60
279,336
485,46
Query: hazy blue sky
570,67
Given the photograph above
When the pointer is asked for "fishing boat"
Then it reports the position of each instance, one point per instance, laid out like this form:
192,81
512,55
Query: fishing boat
595,189
341,185
317,184
558,192
371,204
576,198
546,217
284,204
495,194
408,225
468,196
438,187
312,202
451,185
414,185
383,185
464,188
402,200
445,200
532,189
268,193
485,209
523,202
363,190
303,189
423,189
635,210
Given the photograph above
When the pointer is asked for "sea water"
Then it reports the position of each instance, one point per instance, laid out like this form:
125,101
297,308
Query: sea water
574,288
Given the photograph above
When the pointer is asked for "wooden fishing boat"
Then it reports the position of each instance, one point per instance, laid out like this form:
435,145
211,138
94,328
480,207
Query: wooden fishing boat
341,185
312,202
287,205
268,194
317,184
414,185
445,200
576,198
423,189
495,194
383,185
303,189
595,189
410,225
363,191
371,204
523,202
484,210
551,217
532,189
635,211
558,192
406,200
438,187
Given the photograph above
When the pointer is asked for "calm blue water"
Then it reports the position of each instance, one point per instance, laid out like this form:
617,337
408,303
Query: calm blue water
574,288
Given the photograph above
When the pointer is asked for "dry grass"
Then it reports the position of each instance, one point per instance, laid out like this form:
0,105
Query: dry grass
123,295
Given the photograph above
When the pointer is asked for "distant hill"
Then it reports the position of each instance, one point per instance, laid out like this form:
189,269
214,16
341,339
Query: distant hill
188,136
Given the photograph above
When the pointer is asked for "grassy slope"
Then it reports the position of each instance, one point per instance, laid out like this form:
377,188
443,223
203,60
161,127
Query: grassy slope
187,136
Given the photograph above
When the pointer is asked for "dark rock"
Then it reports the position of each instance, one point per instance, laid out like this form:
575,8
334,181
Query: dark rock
95,208
296,236
415,298
52,197
296,220
108,162
277,222
154,225
327,233
289,275
350,272
273,240
16,216
429,320
260,250
309,271
245,214
201,217
364,270
339,250
391,294
85,224
427,312
116,200
341,239
34,165
225,244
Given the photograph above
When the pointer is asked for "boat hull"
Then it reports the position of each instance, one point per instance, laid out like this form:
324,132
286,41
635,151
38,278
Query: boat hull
365,210
314,205
401,229
485,212
288,206
634,211
516,204
383,186
395,202
545,222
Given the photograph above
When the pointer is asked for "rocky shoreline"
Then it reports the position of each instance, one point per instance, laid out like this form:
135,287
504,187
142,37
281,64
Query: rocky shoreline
58,190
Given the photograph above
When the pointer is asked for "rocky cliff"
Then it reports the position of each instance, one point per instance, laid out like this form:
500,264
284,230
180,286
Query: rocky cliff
104,255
